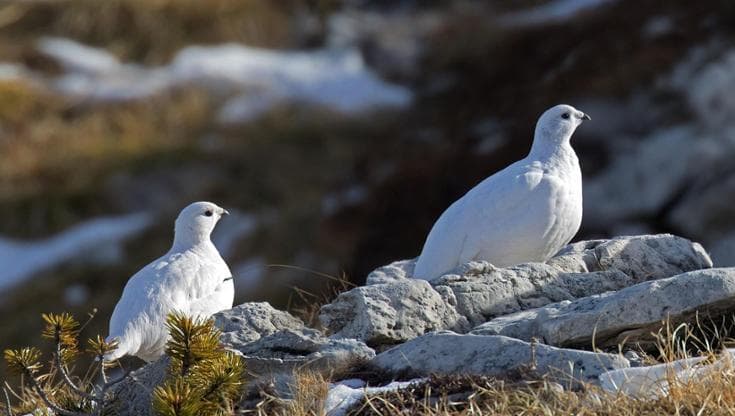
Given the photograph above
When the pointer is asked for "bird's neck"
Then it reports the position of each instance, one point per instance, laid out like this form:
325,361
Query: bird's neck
189,239
552,149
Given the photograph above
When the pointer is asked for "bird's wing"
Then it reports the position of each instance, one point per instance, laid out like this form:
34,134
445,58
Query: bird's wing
443,244
459,234
211,289
510,205
221,298
162,286
140,300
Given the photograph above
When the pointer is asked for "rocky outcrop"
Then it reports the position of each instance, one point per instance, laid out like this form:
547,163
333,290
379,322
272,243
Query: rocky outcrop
250,321
449,353
628,315
133,395
398,270
391,312
283,352
274,344
393,308
526,319
641,257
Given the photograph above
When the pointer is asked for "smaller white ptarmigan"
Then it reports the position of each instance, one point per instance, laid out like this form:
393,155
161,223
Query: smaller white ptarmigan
191,278
525,212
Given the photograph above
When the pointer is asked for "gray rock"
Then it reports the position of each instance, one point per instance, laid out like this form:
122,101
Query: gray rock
304,349
492,292
252,320
133,395
398,270
274,344
629,315
633,358
275,360
389,313
643,257
483,291
450,353
394,308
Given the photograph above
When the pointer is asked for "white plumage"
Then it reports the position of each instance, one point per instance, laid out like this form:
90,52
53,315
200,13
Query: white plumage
191,278
525,212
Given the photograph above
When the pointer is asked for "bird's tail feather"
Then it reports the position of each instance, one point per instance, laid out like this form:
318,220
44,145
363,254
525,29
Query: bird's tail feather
121,350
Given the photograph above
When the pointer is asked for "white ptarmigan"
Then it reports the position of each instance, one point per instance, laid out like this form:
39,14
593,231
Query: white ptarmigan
191,278
525,212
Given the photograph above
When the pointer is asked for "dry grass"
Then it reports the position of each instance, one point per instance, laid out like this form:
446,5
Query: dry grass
47,138
309,393
714,394
306,304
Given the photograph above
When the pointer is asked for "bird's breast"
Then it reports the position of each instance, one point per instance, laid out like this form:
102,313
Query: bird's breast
565,213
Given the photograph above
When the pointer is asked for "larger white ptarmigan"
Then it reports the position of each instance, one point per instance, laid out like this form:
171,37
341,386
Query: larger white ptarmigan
525,212
191,278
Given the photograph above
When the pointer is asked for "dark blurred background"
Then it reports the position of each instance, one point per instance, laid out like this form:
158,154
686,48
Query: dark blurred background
336,131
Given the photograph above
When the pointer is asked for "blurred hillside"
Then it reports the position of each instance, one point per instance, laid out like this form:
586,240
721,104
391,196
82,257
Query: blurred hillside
336,131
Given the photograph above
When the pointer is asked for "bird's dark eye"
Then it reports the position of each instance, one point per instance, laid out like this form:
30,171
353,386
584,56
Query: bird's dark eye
565,116
208,213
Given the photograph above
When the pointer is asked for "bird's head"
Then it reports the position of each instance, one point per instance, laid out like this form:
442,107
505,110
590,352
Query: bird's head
559,122
196,222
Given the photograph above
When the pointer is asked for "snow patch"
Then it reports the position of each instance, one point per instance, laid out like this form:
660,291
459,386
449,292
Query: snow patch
248,107
342,396
11,71
22,260
76,57
654,381
337,78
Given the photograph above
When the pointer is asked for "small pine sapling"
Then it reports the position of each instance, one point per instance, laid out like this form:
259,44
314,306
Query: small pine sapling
69,396
204,378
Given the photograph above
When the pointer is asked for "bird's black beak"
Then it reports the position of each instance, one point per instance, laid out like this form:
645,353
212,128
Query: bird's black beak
586,117
225,212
